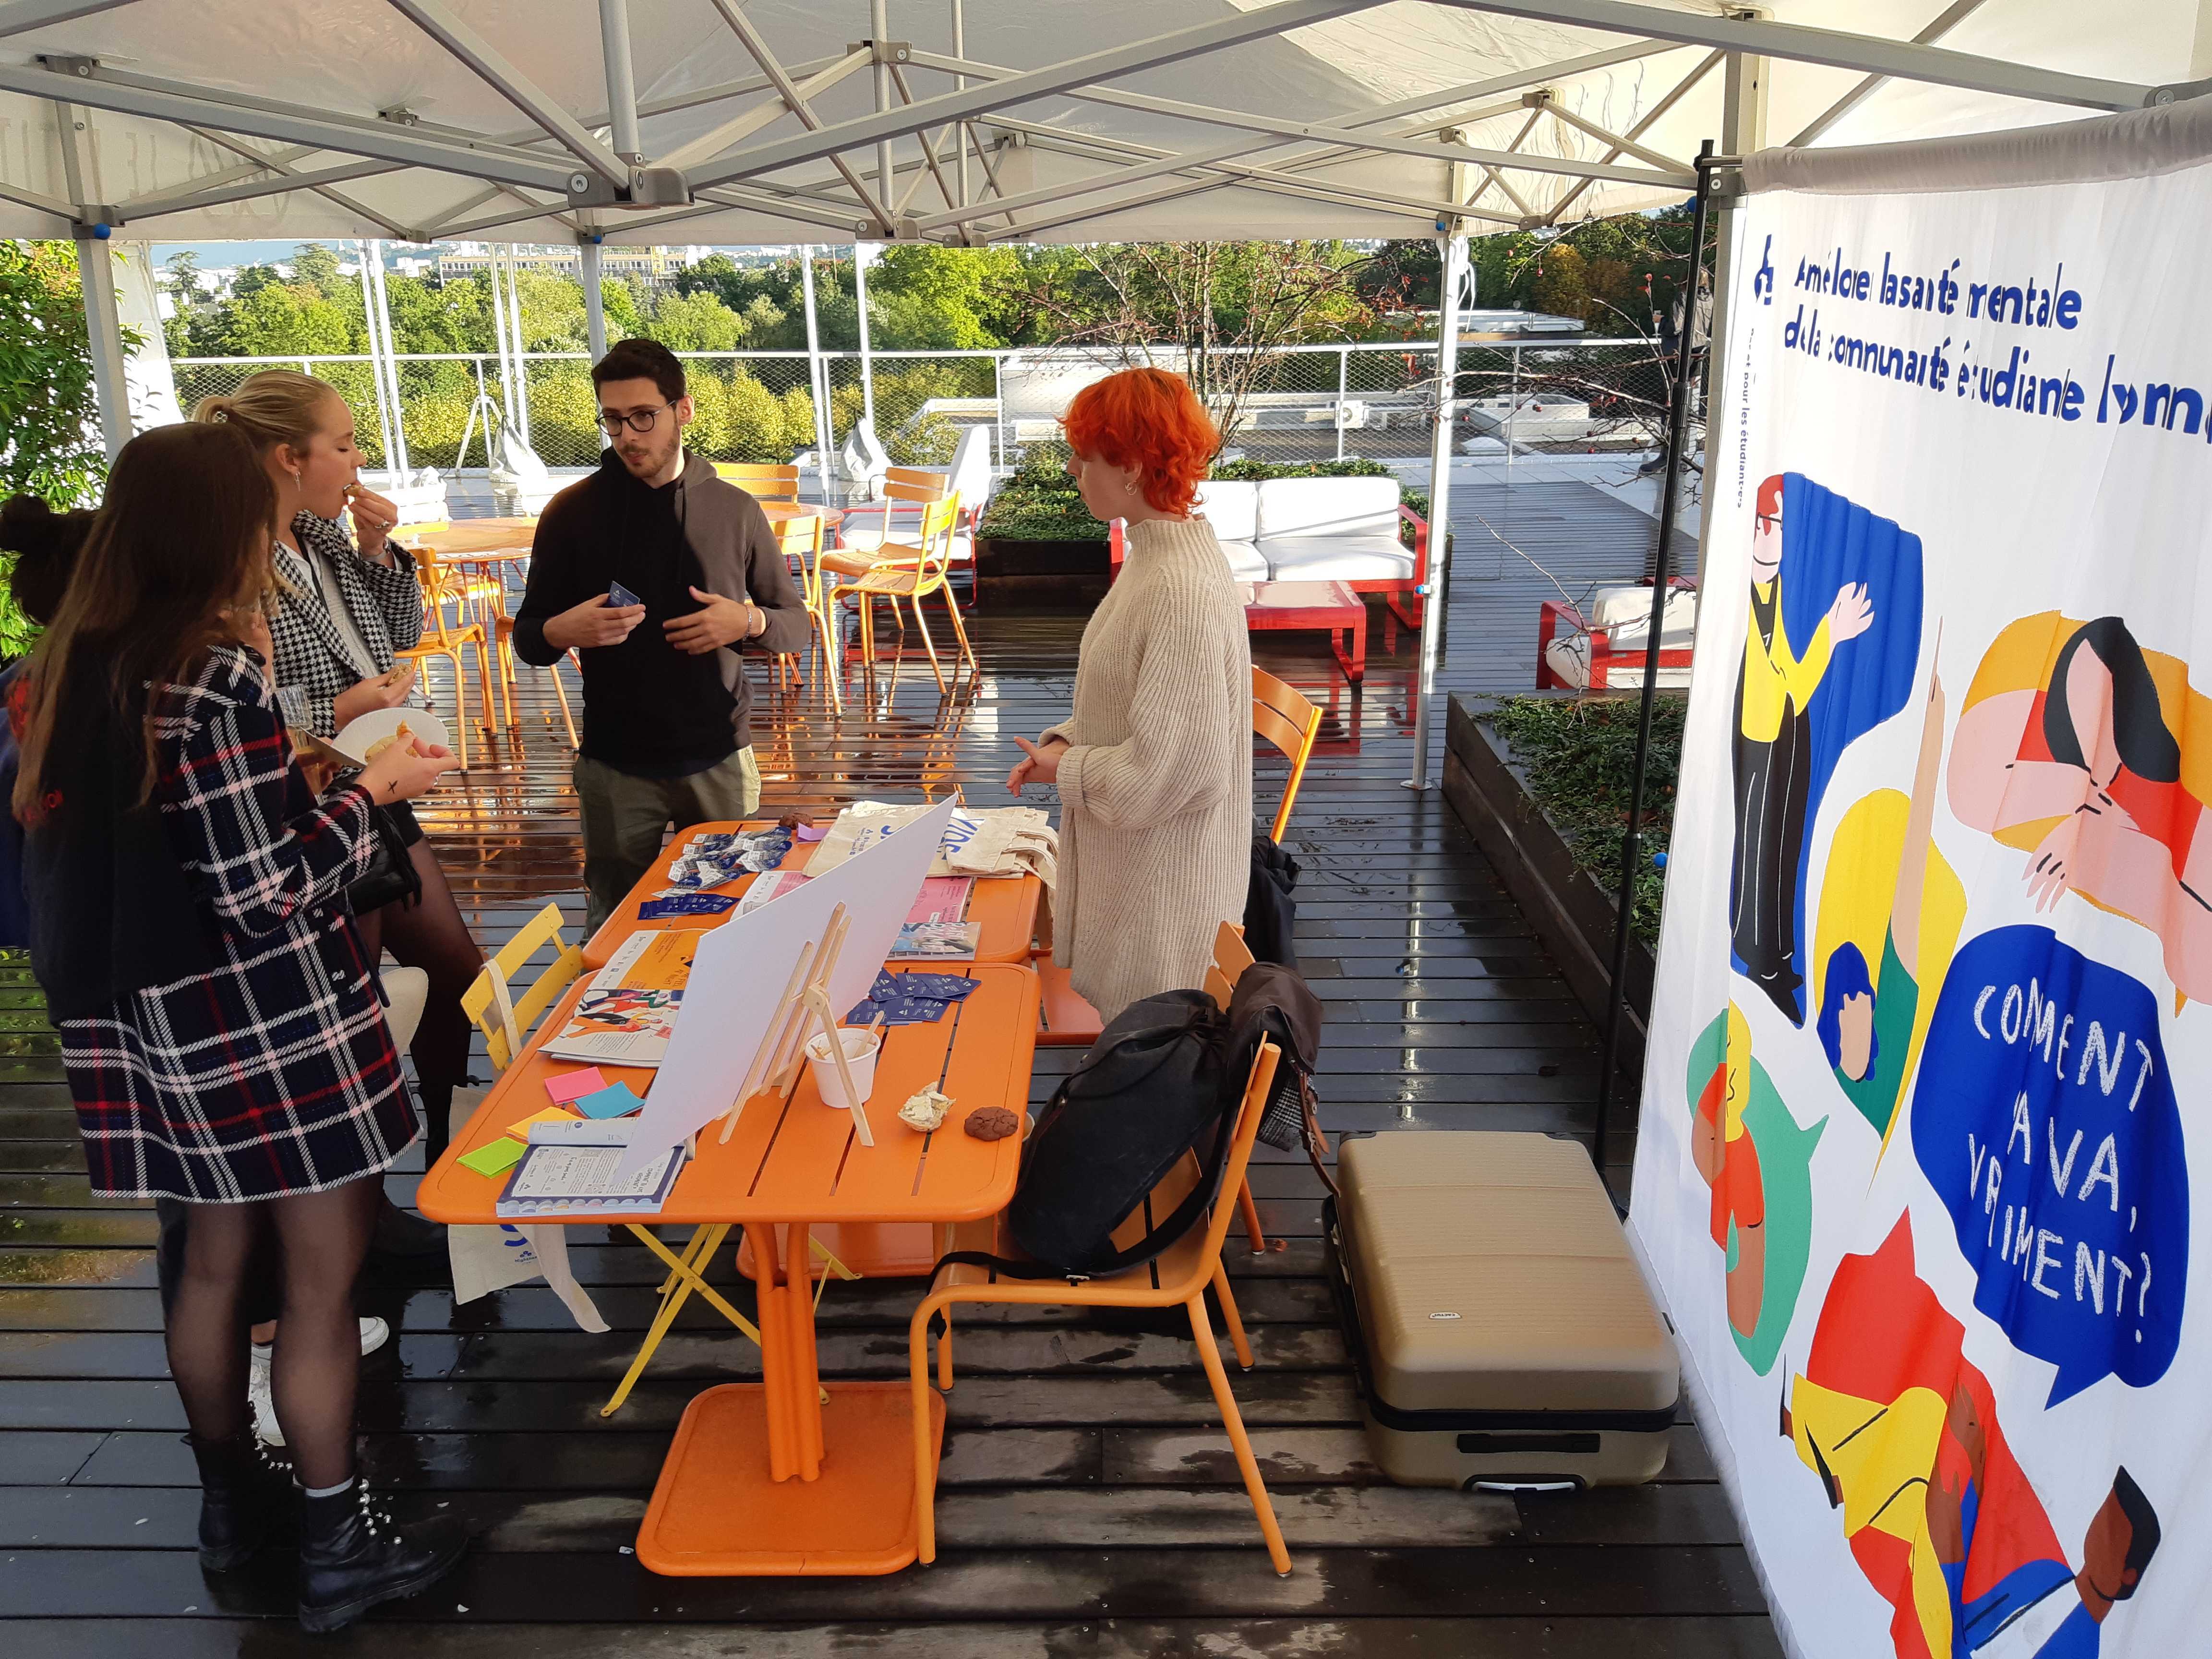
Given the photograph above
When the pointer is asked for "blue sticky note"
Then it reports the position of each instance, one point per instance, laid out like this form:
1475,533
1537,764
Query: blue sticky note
613,1101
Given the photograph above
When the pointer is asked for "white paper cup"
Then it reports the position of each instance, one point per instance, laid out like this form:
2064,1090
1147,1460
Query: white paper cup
860,1049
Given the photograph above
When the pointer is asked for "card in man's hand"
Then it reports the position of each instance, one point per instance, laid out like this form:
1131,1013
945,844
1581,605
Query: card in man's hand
619,595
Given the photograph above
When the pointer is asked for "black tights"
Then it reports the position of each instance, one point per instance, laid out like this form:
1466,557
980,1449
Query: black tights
429,934
321,1237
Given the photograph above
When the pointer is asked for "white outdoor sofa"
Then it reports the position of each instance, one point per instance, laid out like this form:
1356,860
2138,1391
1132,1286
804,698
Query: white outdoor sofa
1312,530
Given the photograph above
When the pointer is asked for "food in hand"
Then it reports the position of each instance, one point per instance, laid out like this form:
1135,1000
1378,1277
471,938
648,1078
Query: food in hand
401,734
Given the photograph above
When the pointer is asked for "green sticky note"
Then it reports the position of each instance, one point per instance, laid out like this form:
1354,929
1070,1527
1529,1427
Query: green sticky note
496,1159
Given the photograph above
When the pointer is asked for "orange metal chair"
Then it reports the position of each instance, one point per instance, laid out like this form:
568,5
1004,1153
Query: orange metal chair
762,481
908,491
1177,1277
448,639
802,547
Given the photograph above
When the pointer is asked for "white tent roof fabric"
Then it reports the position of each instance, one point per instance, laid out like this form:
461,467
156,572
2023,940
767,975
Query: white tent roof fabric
194,112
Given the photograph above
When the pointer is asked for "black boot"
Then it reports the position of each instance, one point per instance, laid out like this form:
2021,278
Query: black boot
352,1557
246,1495
404,1233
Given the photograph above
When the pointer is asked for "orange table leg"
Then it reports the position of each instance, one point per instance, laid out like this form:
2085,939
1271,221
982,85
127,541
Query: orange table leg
776,1401
727,1503
803,1383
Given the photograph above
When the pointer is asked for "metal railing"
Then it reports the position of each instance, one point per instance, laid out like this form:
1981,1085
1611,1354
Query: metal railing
1302,403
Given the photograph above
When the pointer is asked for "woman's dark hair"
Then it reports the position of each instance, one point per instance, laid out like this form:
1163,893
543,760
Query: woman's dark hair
2147,747
46,544
182,541
640,360
1847,977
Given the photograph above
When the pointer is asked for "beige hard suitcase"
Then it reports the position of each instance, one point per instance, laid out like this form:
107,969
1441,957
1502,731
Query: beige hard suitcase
1503,1336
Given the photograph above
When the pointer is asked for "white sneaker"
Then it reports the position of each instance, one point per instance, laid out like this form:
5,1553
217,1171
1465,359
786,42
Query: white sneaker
375,1334
263,1402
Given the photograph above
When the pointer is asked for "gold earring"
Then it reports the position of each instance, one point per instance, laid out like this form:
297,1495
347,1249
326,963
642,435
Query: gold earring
1130,487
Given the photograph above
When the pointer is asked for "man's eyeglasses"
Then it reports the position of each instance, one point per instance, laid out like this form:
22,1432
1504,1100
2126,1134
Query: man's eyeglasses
638,420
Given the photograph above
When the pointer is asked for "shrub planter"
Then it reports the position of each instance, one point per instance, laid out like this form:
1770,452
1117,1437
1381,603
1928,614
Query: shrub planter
1571,911
1018,574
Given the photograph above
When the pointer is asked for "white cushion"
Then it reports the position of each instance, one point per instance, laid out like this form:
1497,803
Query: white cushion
1368,558
1245,562
1616,607
1328,506
1232,508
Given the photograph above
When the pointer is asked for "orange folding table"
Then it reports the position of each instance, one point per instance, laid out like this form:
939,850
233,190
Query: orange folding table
1003,908
784,1476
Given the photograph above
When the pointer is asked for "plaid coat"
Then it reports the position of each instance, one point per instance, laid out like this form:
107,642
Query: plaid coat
272,1073
386,604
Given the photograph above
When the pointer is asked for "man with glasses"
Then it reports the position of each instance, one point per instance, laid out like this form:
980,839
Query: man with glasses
698,573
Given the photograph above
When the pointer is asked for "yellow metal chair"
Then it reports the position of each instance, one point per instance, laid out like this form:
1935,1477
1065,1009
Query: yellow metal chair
1179,1277
764,481
802,547
912,573
490,1001
442,639
907,493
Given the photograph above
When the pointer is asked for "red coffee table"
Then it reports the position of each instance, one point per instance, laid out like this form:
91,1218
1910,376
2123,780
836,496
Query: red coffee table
1332,606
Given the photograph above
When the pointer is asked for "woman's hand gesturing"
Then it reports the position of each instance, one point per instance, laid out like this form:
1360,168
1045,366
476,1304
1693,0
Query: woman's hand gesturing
1042,766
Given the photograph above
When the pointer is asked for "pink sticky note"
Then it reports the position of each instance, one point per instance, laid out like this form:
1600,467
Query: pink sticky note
573,1085
808,832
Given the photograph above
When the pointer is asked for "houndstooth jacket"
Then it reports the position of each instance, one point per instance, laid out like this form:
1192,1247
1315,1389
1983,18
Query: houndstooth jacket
386,604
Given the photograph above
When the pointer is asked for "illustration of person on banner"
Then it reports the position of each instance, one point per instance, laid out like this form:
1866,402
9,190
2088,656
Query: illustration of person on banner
2085,750
1888,897
1748,1149
1902,1430
1826,574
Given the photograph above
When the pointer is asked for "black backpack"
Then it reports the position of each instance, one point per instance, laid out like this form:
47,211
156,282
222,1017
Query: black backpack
1148,1091
1270,913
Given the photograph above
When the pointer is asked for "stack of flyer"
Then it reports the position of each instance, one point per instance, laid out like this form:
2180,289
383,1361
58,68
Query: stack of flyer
629,1012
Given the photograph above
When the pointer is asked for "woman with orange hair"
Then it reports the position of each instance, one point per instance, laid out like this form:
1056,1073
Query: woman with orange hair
1154,765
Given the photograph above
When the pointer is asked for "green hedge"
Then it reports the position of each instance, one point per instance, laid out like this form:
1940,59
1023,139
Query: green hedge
1579,757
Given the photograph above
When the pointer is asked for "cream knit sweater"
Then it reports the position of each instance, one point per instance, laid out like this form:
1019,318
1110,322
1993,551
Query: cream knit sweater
1156,787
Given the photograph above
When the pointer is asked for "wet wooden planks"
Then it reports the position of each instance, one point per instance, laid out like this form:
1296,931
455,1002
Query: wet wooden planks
1090,1505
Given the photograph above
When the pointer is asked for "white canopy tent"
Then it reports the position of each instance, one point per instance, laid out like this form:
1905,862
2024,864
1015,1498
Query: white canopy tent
974,121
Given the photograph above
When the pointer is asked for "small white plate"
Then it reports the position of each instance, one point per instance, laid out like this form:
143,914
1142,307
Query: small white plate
356,739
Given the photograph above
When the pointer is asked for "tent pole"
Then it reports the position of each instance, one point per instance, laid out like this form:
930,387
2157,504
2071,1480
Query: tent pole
96,266
879,30
514,326
1451,260
960,84
817,379
621,81
595,298
867,362
499,336
1743,129
1677,414
368,308
391,362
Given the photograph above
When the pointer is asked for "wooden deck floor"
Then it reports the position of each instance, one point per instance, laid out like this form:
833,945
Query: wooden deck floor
1089,1506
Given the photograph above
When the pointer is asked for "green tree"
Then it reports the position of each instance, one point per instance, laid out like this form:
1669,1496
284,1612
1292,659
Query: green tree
1561,287
315,265
49,443
699,321
183,284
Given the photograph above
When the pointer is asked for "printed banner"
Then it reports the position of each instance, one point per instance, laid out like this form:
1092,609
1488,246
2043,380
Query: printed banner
1931,1070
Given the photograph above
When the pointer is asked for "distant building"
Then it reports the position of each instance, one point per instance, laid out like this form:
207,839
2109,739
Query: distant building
649,267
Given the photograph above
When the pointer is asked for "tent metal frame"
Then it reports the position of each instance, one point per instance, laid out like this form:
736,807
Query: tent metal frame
599,176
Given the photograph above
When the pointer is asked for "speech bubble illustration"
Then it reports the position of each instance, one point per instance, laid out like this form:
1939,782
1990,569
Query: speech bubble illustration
2044,1118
